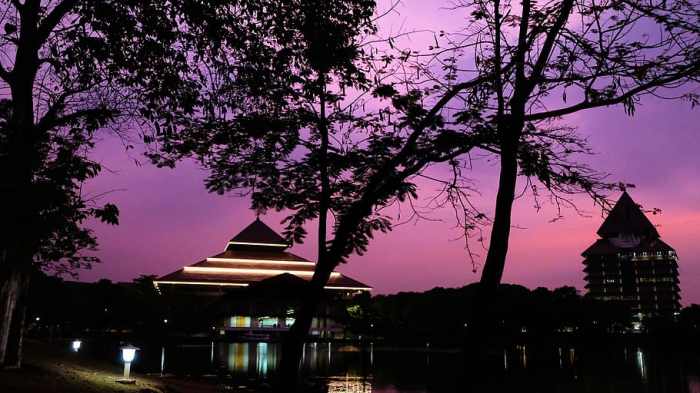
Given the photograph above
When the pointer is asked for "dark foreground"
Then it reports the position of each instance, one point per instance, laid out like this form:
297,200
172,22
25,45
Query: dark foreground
51,368
611,367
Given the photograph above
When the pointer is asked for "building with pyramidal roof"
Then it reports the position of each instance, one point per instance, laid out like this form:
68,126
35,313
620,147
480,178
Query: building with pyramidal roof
257,253
630,263
254,285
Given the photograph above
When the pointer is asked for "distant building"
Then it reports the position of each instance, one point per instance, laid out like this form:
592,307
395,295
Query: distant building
255,284
631,264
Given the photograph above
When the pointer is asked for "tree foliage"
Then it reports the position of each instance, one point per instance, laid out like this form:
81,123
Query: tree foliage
591,54
66,74
269,144
413,317
75,70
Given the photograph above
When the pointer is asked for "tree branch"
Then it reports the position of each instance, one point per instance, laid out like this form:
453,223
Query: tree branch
549,42
615,100
54,18
52,121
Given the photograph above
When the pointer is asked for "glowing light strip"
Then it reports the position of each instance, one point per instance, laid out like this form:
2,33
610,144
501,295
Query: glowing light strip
349,288
259,244
228,284
272,272
269,261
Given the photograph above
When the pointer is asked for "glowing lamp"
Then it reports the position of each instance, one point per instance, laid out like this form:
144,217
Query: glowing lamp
128,355
76,345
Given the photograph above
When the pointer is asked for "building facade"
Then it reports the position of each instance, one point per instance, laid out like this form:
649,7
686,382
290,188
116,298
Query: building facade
630,263
254,286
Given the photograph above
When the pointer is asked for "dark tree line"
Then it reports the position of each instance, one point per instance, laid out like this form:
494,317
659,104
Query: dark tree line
70,309
441,316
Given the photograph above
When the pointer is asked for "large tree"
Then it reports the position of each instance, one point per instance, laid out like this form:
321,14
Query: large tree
64,71
73,68
331,147
551,59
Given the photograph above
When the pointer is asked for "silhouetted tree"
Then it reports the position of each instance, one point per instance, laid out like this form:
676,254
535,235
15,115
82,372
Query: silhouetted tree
338,139
71,68
591,54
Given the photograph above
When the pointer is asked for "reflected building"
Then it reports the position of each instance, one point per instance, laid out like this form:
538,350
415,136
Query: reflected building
349,384
630,263
253,287
249,358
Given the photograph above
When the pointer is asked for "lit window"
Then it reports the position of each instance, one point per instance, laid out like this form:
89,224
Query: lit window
239,321
268,322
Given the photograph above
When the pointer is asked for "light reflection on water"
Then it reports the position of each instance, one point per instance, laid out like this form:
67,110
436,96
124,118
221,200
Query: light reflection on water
348,384
363,369
641,364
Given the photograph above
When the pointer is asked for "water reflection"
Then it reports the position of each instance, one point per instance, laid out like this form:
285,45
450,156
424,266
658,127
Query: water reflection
211,354
349,384
162,360
238,357
641,364
354,368
256,359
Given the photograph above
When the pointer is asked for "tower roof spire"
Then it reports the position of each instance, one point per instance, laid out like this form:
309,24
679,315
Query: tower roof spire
626,217
258,234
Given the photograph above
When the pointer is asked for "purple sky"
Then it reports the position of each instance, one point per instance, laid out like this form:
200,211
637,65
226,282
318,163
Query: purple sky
168,220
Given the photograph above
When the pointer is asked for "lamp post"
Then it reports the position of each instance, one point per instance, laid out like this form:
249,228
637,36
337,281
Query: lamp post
76,345
128,355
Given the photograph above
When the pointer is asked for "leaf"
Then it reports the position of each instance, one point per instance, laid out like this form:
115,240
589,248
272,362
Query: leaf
385,91
108,214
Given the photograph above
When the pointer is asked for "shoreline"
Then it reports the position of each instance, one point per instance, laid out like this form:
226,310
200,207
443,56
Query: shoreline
50,368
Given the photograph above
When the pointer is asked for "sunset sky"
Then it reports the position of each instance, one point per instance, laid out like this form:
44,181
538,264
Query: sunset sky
168,220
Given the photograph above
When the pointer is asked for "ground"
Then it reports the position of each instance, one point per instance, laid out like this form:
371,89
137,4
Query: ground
49,368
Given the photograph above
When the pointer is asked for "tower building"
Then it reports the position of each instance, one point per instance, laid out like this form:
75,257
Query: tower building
630,263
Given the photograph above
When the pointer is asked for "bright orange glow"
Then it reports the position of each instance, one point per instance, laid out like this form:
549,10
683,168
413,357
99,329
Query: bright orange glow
227,284
231,284
259,244
349,288
271,272
259,261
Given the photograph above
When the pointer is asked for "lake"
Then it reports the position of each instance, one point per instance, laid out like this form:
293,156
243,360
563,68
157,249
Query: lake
369,368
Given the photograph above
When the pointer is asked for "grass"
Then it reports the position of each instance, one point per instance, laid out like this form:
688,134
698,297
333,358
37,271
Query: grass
50,369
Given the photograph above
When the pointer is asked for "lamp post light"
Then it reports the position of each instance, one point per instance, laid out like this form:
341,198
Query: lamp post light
76,345
128,355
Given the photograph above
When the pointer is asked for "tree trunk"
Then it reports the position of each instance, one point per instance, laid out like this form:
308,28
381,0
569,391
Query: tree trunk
13,355
293,346
482,322
293,340
500,231
9,297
